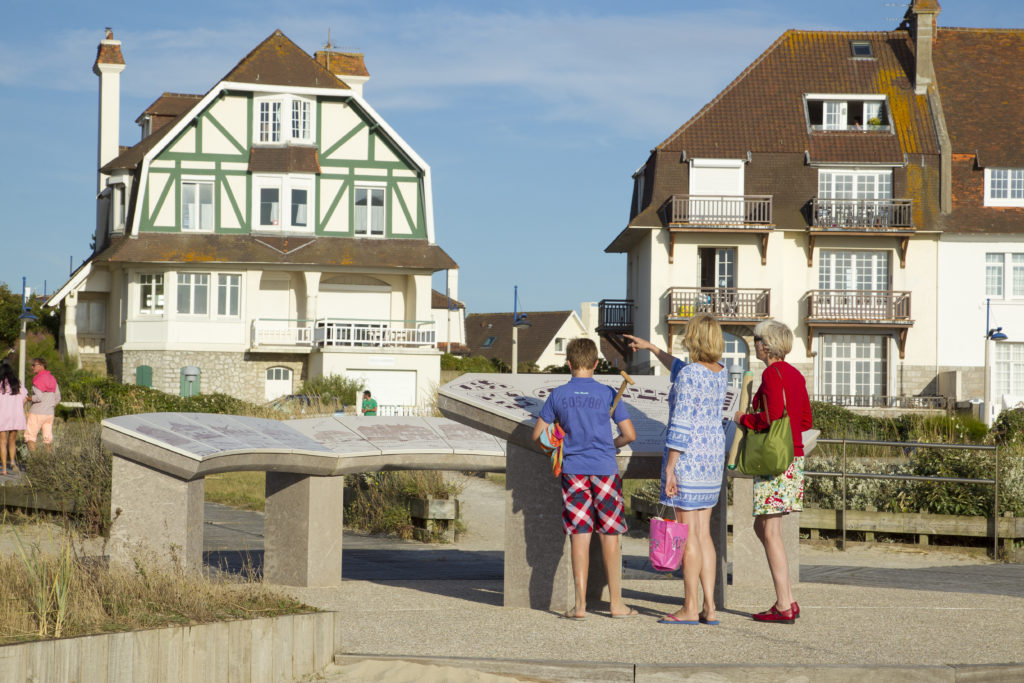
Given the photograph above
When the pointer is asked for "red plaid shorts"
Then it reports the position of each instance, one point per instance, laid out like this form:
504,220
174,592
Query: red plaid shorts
590,499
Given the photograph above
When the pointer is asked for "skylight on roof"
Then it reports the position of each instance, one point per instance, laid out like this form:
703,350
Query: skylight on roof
489,342
861,49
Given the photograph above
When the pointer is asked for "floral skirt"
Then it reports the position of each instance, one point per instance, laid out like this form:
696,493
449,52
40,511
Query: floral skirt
782,493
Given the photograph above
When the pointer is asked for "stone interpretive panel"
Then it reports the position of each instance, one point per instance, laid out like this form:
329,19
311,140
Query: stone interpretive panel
519,398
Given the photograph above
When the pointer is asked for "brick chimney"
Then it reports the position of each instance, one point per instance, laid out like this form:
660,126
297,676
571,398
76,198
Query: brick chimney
921,21
349,67
108,66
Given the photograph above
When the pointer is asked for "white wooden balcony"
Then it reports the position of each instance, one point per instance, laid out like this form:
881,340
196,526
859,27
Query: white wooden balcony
341,332
697,211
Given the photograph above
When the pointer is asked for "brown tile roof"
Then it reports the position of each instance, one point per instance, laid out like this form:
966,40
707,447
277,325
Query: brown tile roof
532,340
131,157
762,109
170,104
969,214
439,300
982,92
843,146
343,63
287,159
279,61
294,250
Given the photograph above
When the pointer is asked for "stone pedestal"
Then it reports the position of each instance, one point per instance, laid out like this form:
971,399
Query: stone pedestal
155,516
538,572
302,529
749,566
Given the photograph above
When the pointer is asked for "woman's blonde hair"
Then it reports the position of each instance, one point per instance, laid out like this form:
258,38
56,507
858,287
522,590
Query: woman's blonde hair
776,338
703,338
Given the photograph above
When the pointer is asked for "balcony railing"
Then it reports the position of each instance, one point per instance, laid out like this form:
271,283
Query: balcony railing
883,214
721,302
863,305
744,211
281,332
615,315
338,332
333,332
902,402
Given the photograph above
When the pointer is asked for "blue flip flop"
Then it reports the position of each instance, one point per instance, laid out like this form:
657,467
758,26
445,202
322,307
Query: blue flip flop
712,622
669,619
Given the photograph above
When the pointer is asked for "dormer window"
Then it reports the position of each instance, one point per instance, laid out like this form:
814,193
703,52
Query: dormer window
847,112
1004,187
283,118
861,49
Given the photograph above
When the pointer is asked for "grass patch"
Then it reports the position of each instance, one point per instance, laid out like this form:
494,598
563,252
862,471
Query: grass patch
243,490
380,504
61,594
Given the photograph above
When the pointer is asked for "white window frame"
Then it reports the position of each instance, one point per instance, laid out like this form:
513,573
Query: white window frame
1008,370
284,184
365,229
226,286
559,344
288,107
150,287
845,103
196,289
1004,275
1008,183
877,384
197,181
829,187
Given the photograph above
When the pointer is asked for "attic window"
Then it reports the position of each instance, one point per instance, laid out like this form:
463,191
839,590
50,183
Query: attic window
861,49
489,342
847,112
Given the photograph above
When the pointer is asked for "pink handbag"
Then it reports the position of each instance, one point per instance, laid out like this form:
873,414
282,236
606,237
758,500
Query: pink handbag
668,538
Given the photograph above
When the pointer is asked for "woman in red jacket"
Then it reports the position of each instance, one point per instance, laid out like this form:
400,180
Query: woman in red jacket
783,388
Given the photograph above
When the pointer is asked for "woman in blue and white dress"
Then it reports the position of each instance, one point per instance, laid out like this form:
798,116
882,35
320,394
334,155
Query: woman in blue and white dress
694,459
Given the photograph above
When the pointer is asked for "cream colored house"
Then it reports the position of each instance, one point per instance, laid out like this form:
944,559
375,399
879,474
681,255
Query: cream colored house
271,230
809,191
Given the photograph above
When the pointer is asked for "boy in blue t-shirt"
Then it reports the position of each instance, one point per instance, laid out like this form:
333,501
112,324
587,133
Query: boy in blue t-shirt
591,485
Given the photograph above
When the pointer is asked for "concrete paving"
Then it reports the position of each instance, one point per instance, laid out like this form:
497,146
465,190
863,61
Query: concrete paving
864,611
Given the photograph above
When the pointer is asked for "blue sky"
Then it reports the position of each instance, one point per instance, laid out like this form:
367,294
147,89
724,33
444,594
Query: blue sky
533,115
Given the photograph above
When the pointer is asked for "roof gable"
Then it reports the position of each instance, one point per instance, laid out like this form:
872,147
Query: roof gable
279,61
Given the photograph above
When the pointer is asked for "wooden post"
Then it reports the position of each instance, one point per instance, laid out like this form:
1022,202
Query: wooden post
869,536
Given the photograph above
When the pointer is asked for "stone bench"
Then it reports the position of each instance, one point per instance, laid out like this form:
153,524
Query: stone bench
161,459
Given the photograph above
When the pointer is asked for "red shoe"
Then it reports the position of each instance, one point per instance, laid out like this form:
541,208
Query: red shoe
774,615
796,610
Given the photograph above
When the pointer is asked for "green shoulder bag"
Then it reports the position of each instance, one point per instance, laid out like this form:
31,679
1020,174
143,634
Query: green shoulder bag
768,453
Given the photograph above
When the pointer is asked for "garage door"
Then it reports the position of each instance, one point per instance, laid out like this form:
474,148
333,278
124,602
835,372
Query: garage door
389,387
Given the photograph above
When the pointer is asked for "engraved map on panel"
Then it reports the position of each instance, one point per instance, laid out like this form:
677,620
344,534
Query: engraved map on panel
521,397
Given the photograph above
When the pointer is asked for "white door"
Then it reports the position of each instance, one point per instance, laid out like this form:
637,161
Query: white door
389,387
279,383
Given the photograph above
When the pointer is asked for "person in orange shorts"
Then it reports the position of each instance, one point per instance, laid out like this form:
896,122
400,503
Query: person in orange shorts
44,399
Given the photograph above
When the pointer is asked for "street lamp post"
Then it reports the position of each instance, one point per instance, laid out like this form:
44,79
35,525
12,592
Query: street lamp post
517,322
25,316
992,334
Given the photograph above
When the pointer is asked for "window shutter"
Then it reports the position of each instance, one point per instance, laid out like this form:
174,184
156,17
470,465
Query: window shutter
144,376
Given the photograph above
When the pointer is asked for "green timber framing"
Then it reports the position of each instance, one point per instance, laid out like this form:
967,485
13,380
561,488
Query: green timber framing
347,171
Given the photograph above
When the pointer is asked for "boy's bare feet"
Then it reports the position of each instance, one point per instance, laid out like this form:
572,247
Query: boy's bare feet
575,613
628,612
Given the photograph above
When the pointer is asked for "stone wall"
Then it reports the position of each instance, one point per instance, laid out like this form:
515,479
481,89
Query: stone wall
242,375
